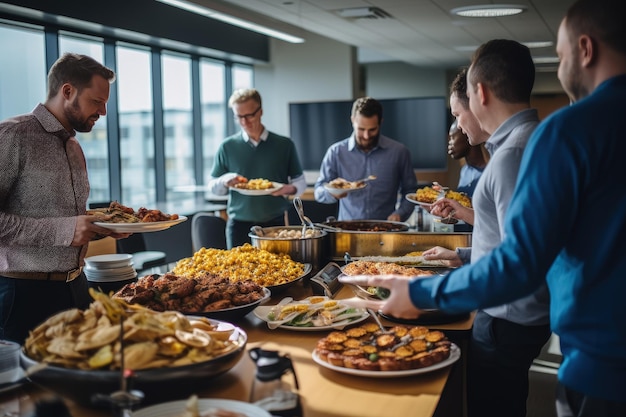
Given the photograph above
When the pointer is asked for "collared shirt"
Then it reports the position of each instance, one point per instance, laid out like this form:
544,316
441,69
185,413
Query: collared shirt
218,186
43,187
273,158
491,201
468,178
262,137
389,161
567,218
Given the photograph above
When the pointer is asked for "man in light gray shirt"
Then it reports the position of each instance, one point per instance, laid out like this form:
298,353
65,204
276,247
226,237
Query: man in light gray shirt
505,339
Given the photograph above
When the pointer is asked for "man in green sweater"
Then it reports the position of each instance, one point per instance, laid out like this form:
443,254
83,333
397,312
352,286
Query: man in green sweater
254,153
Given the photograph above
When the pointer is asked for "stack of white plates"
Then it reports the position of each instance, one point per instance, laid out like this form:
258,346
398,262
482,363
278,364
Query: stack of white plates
109,268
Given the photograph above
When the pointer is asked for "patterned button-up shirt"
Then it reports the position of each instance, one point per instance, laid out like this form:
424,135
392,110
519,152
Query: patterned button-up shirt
43,187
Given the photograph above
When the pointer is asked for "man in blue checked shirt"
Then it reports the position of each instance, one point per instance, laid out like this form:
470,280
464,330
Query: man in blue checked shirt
367,152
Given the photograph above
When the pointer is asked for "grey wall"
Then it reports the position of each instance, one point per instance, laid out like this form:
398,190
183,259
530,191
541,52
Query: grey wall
318,70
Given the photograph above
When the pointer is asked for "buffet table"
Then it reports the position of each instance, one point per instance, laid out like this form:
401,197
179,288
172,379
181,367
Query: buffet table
324,393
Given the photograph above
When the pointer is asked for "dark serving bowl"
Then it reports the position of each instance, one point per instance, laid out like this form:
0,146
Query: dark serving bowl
157,385
277,289
235,313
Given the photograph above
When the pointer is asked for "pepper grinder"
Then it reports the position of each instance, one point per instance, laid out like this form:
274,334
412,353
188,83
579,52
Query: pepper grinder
272,388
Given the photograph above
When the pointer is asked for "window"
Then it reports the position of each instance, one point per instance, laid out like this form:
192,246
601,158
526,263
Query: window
242,77
152,163
213,99
94,143
136,118
177,120
22,75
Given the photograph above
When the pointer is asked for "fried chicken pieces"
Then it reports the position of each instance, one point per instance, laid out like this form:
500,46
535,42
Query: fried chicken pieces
204,293
118,213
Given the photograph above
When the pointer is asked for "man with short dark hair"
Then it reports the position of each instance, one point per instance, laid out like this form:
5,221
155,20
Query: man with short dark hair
571,175
367,152
44,229
507,338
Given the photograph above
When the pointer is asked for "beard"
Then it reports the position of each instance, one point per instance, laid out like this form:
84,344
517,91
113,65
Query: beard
369,144
573,81
76,120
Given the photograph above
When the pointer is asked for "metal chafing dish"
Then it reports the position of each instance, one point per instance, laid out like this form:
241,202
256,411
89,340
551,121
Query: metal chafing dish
391,243
310,249
371,226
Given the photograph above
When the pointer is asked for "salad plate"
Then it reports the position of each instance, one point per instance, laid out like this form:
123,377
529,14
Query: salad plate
311,314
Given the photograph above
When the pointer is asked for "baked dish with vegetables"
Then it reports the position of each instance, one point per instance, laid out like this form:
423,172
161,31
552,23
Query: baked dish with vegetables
398,348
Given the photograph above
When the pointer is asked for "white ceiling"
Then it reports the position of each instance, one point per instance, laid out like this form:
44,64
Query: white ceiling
418,32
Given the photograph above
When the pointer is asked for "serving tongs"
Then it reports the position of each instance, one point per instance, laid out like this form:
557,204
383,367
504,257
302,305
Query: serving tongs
359,301
306,222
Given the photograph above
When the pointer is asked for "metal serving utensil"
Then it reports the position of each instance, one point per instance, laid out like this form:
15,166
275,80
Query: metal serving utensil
306,222
366,179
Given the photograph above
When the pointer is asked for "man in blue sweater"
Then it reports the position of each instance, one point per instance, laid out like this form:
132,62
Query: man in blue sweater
566,221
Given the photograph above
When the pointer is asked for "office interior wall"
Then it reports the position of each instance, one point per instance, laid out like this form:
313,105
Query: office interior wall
318,70
400,80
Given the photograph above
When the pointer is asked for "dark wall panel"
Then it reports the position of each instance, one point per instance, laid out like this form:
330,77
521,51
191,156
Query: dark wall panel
152,18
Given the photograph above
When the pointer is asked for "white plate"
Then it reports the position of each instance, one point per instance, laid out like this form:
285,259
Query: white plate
411,198
113,260
276,186
142,227
340,191
455,354
177,408
109,271
262,312
112,278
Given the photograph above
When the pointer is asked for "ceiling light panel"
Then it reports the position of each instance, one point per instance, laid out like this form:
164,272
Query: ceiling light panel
489,10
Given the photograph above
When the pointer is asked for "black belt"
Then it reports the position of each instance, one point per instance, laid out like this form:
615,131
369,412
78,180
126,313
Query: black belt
68,276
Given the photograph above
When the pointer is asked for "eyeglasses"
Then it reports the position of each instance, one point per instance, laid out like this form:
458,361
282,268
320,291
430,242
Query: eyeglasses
248,116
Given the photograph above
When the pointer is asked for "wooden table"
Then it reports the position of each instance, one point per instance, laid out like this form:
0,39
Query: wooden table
324,393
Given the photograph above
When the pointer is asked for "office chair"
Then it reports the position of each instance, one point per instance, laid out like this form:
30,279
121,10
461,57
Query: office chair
143,259
208,231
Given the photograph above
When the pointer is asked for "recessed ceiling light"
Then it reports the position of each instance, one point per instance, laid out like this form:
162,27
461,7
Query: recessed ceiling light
531,45
232,20
538,44
489,10
546,60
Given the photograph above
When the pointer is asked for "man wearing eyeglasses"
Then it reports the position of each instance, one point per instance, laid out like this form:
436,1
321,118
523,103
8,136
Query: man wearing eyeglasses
254,153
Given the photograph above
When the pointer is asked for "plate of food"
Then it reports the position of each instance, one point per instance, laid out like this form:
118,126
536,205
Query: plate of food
209,407
205,295
397,352
172,355
413,199
410,259
141,227
314,313
426,196
257,186
377,267
340,186
124,219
